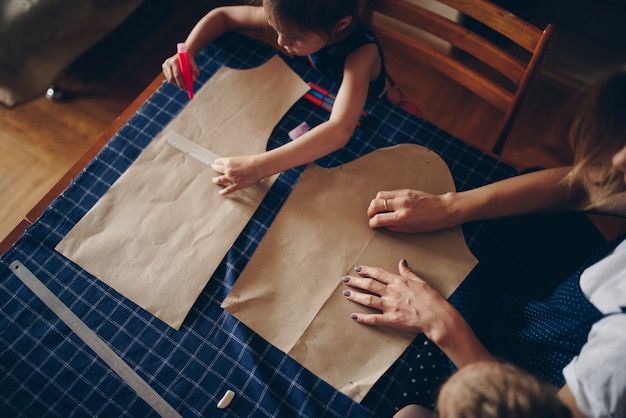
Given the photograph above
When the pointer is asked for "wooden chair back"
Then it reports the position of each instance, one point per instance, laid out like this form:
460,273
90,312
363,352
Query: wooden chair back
498,71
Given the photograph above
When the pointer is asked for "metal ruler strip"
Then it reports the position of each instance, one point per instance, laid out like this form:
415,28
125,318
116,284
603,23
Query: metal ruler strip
90,338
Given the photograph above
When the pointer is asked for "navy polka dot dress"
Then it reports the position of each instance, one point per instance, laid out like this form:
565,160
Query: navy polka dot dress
532,315
543,336
426,372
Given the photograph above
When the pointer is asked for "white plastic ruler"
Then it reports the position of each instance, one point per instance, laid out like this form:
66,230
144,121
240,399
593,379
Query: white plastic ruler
190,148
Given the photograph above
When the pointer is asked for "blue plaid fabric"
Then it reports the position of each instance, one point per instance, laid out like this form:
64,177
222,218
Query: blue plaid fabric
46,370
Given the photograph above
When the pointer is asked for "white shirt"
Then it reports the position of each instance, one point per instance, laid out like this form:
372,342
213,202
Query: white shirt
597,376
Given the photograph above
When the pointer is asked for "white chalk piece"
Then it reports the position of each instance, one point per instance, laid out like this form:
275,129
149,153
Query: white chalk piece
299,130
226,399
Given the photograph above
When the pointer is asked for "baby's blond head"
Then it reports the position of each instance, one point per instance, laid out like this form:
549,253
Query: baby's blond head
494,390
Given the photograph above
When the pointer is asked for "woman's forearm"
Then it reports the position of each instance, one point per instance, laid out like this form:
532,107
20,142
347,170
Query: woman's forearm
414,211
455,338
540,191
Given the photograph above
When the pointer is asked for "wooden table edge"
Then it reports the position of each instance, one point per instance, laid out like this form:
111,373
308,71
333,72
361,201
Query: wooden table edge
82,162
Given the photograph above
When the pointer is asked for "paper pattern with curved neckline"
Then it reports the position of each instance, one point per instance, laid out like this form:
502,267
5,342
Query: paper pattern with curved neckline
290,292
158,234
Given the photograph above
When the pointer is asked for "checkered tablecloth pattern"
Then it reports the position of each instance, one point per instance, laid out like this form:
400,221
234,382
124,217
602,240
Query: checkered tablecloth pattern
46,370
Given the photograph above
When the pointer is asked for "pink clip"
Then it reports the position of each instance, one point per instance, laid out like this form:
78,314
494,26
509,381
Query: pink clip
299,130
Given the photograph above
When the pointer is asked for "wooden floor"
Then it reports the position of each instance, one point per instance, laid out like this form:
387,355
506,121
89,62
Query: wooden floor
40,140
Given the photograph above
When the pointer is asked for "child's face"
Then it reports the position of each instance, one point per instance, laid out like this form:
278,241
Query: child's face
297,42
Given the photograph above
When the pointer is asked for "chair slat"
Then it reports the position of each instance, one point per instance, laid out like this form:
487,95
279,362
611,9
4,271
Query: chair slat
533,67
502,61
501,20
480,85
504,84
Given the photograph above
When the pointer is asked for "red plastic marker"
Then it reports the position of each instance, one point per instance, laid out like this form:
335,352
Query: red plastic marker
320,90
318,102
329,95
185,68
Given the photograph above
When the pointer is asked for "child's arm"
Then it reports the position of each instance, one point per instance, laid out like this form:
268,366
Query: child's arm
215,23
567,397
361,67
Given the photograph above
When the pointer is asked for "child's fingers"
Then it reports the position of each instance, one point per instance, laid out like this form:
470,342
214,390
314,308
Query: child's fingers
172,72
195,72
167,71
218,166
221,181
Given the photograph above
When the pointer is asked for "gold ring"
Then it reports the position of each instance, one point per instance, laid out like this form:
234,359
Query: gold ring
385,204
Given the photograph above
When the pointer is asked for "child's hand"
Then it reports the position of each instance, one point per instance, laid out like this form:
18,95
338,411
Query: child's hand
173,74
237,173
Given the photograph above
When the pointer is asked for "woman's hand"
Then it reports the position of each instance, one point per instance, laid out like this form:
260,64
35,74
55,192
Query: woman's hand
411,211
404,300
237,173
173,74
407,302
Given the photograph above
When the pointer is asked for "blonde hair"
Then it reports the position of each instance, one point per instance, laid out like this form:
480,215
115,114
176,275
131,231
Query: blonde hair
494,390
597,133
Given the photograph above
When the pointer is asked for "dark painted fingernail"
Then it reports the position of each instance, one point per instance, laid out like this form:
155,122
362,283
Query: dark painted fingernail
353,316
404,263
345,279
358,269
346,293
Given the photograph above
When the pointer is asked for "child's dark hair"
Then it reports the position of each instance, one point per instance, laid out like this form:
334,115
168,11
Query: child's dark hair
312,15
